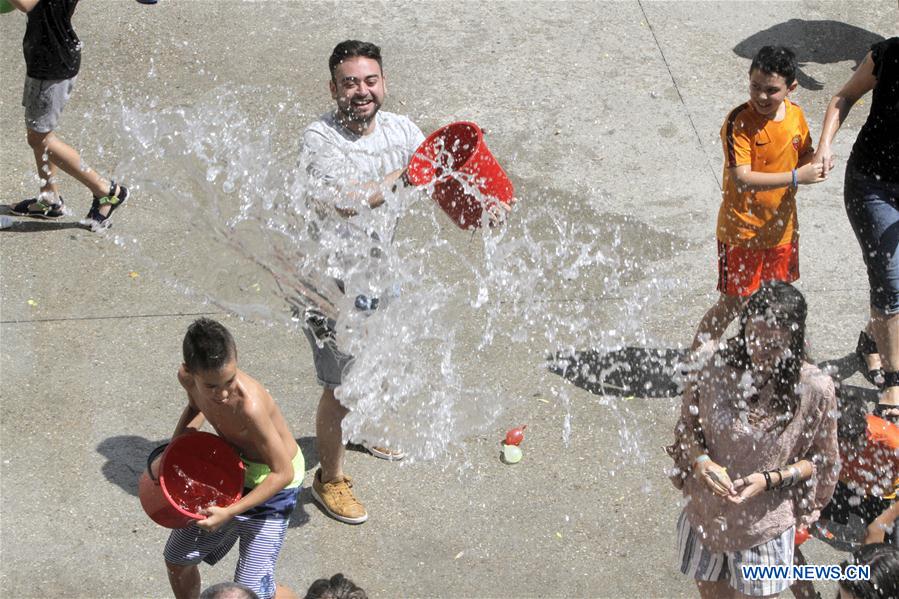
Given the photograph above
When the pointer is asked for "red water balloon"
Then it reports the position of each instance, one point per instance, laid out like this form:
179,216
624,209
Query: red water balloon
515,436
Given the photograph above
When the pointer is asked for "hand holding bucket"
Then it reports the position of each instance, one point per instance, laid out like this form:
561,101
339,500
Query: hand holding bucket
183,478
466,177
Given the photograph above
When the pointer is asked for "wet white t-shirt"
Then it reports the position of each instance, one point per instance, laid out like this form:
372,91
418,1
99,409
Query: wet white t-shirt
335,155
335,160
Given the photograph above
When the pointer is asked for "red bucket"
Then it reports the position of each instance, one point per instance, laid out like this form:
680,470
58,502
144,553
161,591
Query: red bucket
456,159
196,470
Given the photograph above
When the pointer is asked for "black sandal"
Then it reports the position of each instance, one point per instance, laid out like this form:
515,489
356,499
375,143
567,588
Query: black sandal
865,347
44,210
117,196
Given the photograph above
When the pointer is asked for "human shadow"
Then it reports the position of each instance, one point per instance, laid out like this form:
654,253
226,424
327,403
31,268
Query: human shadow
126,459
822,42
636,371
650,372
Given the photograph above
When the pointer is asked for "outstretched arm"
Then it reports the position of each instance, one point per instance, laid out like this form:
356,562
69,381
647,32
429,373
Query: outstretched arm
24,5
876,531
807,174
371,192
861,82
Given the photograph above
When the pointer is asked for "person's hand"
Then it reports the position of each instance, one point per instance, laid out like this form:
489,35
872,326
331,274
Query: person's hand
497,211
813,172
715,478
825,156
748,487
215,518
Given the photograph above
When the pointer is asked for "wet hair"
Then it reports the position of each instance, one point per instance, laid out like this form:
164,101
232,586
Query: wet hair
229,590
338,587
883,559
783,306
350,49
207,346
775,60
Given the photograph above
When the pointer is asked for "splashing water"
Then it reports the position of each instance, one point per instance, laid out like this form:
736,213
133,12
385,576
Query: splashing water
193,495
227,182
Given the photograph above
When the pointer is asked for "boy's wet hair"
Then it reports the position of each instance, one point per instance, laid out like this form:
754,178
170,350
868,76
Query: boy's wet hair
775,60
207,346
339,587
350,49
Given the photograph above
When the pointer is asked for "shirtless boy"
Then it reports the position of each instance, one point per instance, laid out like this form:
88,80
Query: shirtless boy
243,413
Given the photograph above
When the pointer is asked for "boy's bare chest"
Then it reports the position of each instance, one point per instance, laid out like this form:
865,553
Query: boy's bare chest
228,423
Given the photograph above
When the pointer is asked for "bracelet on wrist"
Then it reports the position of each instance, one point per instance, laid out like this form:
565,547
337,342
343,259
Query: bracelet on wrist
703,457
794,474
767,476
795,179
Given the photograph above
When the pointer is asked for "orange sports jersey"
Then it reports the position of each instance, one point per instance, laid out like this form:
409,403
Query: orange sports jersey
761,219
873,467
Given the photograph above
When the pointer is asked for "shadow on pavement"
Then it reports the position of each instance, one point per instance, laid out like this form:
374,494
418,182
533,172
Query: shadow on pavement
126,457
649,372
822,42
637,371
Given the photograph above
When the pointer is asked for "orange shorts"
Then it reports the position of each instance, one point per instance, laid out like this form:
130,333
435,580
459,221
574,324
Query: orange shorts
742,270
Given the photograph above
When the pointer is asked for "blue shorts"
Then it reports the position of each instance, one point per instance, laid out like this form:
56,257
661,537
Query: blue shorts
261,532
873,210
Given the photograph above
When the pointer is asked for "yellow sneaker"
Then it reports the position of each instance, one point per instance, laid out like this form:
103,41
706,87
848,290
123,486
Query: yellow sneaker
338,500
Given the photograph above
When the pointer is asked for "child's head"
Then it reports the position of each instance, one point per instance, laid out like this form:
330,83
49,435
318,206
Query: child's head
207,346
883,560
229,590
772,76
339,587
210,355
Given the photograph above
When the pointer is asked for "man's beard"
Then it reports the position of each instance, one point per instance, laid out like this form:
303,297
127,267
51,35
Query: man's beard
347,114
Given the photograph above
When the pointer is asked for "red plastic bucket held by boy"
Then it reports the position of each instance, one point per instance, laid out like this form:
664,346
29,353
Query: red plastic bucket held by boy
197,470
456,159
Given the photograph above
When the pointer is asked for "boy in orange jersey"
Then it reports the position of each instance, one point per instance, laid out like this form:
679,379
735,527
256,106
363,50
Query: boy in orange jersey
767,155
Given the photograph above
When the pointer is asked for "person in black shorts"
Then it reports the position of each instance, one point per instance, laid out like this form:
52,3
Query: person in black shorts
53,58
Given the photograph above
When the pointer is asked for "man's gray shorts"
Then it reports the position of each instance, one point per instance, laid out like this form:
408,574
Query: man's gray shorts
44,100
330,362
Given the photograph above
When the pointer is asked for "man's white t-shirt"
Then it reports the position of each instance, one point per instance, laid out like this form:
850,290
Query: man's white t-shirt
334,155
335,160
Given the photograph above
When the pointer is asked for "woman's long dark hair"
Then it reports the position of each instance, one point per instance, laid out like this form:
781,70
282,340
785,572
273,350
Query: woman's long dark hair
783,306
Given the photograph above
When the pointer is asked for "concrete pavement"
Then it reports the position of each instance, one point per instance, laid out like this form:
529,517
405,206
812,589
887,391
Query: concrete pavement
608,111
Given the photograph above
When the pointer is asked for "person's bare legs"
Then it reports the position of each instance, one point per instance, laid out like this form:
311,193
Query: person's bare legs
886,335
59,154
872,361
329,436
717,319
802,589
185,580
